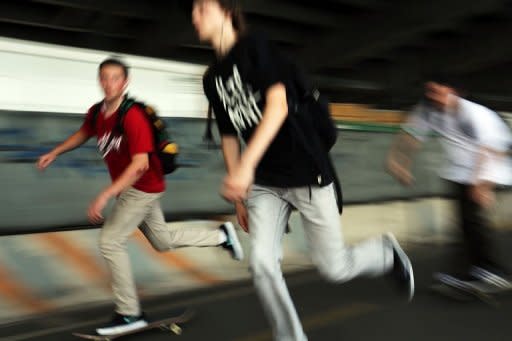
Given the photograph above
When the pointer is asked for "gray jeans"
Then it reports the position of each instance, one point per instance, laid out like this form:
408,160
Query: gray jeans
134,209
269,209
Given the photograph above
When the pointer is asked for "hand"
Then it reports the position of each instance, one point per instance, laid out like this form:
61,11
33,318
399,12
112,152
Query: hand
236,185
483,194
96,207
242,216
45,160
399,172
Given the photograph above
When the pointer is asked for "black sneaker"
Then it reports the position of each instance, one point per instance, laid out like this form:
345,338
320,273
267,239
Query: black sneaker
492,281
454,282
402,268
232,244
122,323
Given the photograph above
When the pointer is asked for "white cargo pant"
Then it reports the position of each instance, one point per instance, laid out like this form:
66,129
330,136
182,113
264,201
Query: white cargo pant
134,209
269,209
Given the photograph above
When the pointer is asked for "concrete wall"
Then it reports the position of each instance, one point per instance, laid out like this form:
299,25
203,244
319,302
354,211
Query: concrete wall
59,196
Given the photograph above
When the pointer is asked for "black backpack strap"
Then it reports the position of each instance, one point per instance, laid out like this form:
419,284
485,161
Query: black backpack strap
337,186
95,110
126,104
312,145
123,108
208,135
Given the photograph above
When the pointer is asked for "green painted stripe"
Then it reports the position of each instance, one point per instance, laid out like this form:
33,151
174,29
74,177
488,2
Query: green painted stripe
367,127
371,127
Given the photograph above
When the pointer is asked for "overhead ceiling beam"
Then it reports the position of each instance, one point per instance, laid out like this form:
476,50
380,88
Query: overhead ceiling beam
295,12
152,10
86,21
105,43
488,46
177,30
366,4
461,57
379,34
165,9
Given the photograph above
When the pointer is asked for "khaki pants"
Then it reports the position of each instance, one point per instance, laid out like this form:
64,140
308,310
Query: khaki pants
134,209
269,209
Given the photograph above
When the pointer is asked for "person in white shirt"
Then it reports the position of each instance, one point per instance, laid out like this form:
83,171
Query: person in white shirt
476,143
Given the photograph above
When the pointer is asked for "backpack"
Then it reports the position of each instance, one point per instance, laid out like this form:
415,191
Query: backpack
309,107
167,150
310,117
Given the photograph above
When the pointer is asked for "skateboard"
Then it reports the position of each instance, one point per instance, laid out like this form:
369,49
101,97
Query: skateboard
171,324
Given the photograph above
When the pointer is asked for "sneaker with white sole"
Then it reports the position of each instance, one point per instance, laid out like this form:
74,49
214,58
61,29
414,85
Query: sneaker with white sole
402,267
122,323
470,286
232,244
494,282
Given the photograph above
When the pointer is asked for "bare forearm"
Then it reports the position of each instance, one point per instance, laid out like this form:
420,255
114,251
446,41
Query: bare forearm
403,149
72,142
231,152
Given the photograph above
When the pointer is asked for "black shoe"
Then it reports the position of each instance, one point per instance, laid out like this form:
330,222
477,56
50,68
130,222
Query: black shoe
232,244
491,279
122,323
402,268
453,281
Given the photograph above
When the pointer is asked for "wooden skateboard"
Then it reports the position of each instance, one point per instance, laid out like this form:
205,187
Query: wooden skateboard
171,324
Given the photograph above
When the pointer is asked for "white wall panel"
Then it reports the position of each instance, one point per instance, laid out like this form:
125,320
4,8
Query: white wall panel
50,78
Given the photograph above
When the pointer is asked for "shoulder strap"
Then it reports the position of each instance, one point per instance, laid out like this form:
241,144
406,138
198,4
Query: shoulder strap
123,108
208,135
95,110
322,161
126,104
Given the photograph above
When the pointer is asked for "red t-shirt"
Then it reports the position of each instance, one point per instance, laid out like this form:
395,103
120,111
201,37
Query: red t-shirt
137,138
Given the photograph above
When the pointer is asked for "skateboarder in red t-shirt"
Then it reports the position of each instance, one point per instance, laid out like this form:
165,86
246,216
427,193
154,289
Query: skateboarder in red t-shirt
137,185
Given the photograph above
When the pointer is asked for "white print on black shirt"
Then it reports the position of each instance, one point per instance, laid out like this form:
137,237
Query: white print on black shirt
239,102
115,144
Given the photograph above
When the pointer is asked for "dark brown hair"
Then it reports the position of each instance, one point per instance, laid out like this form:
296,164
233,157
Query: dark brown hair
116,62
234,8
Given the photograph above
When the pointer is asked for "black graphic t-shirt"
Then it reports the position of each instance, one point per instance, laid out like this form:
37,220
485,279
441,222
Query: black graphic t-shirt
236,87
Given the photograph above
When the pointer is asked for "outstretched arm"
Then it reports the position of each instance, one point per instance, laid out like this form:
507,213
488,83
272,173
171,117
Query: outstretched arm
72,142
399,159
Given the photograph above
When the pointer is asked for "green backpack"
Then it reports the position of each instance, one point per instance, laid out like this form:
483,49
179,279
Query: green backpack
167,150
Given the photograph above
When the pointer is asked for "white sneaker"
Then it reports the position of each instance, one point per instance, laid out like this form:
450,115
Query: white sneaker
122,323
232,243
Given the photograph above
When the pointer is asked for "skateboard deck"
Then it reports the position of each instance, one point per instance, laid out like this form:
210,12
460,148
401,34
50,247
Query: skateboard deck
171,324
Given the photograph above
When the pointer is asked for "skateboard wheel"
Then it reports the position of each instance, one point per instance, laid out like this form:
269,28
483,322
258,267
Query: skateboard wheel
176,329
